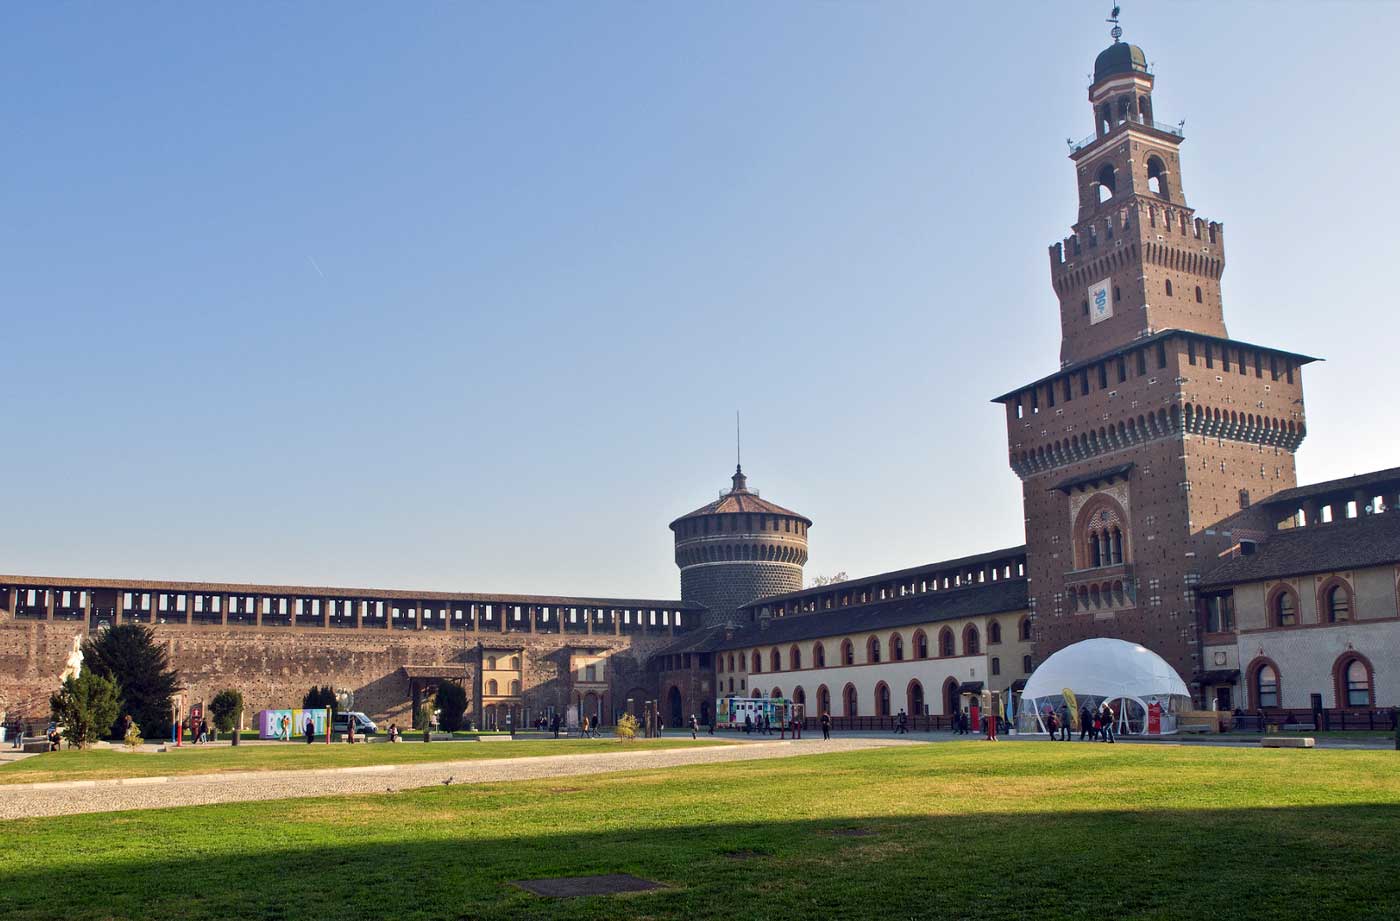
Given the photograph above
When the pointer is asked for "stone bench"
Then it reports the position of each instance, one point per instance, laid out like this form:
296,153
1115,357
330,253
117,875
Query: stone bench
1287,742
1299,727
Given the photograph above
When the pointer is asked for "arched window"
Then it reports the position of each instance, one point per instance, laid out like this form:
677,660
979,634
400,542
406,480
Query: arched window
775,661
872,649
896,648
1198,295
1284,609
951,696
915,695
882,699
996,665
719,664
945,643
492,688
848,653
776,693
515,663
1169,287
491,662
1336,601
1100,533
1026,665
757,662
823,700
920,645
1023,629
993,632
1107,182
515,688
1265,685
818,655
795,657
799,696
731,661
1354,685
1157,176
852,702
972,644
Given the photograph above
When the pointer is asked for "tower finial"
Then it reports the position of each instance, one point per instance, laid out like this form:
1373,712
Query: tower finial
740,481
1117,30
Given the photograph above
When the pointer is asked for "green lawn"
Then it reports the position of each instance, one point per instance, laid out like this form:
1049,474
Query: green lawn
956,830
105,763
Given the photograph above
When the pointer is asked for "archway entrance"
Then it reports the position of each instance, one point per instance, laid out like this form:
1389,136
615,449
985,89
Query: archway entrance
952,700
673,707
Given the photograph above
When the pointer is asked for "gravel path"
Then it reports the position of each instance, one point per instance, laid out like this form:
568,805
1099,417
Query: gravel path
70,797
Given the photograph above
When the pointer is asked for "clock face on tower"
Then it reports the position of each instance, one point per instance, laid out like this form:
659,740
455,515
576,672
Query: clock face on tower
1100,304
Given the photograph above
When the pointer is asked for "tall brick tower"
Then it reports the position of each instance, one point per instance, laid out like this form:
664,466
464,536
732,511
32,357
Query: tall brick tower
739,548
1157,425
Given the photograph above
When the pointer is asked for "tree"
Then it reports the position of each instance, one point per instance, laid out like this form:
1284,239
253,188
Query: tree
626,728
130,655
819,581
452,706
226,706
319,698
86,707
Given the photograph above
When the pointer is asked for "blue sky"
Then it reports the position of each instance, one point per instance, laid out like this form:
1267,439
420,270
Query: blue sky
464,296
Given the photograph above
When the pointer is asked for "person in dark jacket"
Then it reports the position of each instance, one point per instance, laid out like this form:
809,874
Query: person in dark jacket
1086,723
310,730
826,727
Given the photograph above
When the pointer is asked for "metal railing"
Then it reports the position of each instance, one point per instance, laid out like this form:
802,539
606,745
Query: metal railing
1179,130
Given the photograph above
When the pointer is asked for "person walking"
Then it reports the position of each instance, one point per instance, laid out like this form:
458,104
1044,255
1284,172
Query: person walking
554,724
1108,716
310,730
694,727
1086,720
748,723
826,727
1064,722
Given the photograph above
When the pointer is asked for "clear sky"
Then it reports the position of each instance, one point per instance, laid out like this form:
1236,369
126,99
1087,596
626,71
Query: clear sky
464,296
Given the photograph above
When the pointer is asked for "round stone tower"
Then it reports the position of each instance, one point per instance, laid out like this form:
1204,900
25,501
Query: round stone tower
737,549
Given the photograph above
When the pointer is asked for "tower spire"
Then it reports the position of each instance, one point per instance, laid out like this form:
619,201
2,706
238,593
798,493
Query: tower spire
740,481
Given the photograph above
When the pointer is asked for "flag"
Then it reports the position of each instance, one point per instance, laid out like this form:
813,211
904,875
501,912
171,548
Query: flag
1073,706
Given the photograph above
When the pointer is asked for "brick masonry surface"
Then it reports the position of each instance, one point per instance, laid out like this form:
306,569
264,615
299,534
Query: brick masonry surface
274,667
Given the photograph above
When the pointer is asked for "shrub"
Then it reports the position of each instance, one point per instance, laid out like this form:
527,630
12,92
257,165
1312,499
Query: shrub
226,706
86,707
452,706
626,728
131,656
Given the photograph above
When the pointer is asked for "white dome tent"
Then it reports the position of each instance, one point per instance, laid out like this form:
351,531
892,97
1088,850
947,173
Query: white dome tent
1129,676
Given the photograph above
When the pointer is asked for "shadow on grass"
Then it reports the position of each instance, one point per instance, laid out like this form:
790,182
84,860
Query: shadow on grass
1276,863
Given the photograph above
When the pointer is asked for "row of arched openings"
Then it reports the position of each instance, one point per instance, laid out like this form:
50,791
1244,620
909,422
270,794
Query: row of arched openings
893,649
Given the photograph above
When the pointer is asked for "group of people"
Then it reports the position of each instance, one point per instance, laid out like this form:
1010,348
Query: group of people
1094,725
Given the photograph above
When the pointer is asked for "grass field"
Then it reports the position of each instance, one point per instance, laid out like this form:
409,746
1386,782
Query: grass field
956,830
105,763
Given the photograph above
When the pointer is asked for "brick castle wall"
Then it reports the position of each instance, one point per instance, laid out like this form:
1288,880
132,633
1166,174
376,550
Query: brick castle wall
276,667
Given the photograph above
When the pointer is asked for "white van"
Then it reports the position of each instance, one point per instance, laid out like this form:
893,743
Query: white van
364,726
